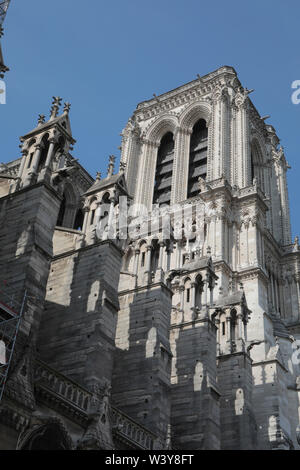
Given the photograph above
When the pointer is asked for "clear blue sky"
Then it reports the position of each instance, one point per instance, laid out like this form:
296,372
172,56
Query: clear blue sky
106,56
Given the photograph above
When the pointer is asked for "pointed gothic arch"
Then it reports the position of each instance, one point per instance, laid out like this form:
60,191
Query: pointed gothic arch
194,112
166,123
50,435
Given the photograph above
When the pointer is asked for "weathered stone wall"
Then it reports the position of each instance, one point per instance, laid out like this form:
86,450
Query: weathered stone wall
78,326
238,427
141,384
28,218
195,394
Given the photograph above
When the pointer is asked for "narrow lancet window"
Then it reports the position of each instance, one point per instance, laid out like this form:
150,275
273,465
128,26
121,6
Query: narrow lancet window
164,169
198,157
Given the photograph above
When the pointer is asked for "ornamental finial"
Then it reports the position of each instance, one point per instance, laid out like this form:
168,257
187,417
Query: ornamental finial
122,167
41,119
67,107
55,106
111,165
98,176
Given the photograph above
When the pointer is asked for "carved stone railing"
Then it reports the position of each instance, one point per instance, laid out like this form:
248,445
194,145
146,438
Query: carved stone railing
74,400
249,190
126,428
61,390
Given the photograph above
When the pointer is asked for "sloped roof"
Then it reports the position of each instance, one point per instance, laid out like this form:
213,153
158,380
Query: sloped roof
47,125
232,299
107,182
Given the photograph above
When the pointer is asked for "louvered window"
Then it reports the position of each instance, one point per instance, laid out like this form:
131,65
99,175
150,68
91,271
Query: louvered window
164,169
198,157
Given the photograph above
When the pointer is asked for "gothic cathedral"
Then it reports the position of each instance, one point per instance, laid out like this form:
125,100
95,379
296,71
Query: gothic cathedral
157,307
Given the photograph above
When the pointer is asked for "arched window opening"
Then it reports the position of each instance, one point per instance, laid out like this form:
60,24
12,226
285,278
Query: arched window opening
187,293
62,211
30,159
2,352
154,257
233,325
256,166
92,217
48,437
164,169
198,291
198,157
44,152
78,224
31,151
143,253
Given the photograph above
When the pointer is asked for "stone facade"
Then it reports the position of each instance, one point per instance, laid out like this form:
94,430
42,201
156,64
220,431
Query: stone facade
180,334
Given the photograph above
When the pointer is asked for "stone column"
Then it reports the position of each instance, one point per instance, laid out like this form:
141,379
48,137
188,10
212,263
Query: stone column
181,290
272,291
50,152
36,157
34,165
218,325
240,342
148,265
130,153
45,174
23,161
228,333
136,265
241,144
160,261
205,282
180,165
85,220
146,174
220,164
284,199
193,294
110,217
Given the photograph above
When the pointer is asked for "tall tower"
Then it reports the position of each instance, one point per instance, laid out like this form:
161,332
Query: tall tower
32,189
204,147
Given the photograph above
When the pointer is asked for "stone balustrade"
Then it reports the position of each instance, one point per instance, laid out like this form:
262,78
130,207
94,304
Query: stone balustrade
75,399
60,385
131,431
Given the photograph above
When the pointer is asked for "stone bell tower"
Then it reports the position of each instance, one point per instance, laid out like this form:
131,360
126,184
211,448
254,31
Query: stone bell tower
31,195
30,208
45,148
204,144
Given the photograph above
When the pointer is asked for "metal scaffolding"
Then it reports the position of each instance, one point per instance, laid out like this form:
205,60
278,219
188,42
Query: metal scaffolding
3,9
10,316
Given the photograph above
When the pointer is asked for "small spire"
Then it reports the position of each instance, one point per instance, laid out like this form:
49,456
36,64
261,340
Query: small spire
98,176
41,119
55,106
111,165
67,107
122,167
